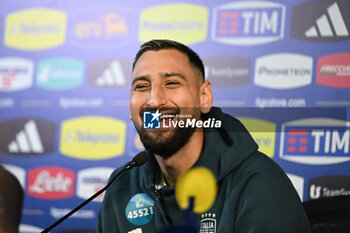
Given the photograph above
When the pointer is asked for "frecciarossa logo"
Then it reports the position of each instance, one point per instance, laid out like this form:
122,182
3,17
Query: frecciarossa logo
51,182
334,70
315,141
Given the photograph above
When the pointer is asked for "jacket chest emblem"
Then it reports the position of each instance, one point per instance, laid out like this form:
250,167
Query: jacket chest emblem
208,223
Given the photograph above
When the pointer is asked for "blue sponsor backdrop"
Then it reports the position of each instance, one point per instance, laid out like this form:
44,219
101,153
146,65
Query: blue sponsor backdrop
262,58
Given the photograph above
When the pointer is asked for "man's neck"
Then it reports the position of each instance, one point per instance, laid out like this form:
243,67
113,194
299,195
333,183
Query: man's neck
182,160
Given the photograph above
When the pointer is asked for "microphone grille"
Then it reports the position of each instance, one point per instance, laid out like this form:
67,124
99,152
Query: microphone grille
141,158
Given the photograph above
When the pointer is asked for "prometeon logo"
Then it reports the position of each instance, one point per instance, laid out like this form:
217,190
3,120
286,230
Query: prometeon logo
35,29
93,138
185,23
15,74
157,120
109,73
59,73
283,71
226,71
329,186
27,137
321,21
315,141
334,70
51,182
101,28
248,23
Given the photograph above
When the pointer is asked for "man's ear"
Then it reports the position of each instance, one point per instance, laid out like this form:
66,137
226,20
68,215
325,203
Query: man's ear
206,97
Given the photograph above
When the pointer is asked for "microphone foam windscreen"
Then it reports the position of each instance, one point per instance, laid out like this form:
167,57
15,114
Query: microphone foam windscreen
141,158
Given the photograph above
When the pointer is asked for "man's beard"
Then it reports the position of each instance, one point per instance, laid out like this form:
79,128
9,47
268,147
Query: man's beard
164,143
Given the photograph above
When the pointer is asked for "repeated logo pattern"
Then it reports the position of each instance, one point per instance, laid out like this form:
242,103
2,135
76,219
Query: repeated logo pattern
65,75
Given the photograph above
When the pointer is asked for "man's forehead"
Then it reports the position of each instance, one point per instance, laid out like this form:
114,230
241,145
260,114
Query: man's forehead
165,58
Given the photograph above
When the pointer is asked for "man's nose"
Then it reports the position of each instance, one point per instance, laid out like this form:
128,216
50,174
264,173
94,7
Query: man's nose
157,97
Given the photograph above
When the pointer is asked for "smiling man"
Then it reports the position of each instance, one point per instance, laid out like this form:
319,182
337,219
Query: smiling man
254,194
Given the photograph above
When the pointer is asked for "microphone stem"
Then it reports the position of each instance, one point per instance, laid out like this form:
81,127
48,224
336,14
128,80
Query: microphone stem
127,167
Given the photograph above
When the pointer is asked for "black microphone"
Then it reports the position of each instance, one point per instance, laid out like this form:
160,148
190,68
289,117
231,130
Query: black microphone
138,160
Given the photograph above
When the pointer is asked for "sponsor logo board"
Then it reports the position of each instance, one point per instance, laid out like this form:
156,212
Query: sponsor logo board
315,141
263,132
59,73
51,182
283,71
93,138
248,23
35,29
298,183
27,136
186,23
225,71
29,228
15,73
334,70
92,180
109,73
18,172
101,28
321,21
329,186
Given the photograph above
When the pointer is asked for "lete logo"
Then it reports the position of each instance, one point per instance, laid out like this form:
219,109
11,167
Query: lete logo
334,70
51,182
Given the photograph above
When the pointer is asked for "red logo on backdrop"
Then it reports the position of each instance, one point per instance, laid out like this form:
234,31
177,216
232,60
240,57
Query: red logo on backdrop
51,183
334,70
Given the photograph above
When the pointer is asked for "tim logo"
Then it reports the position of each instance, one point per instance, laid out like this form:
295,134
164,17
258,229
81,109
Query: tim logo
248,23
315,141
51,183
151,120
334,70
321,21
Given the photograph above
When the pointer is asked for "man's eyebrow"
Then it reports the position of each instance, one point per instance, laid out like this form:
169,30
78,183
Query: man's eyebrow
170,74
140,78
